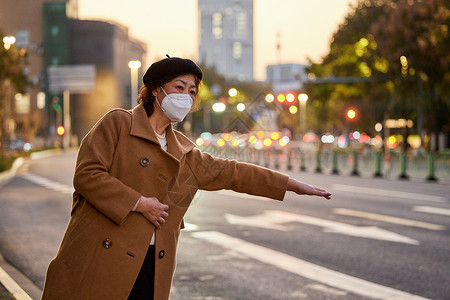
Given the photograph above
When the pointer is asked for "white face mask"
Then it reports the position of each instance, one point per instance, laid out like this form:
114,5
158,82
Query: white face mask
176,106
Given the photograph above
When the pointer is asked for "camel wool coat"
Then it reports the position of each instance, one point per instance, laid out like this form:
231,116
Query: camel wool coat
119,160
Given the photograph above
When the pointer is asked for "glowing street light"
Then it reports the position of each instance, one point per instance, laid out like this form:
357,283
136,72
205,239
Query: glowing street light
303,97
232,92
219,107
240,107
378,127
290,97
293,109
134,66
281,98
8,41
269,98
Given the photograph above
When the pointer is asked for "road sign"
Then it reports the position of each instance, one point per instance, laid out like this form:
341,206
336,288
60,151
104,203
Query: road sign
75,79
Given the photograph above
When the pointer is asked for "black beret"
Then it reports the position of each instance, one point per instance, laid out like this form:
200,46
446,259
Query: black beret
169,68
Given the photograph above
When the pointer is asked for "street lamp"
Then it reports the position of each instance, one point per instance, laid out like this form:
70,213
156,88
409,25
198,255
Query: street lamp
134,66
302,99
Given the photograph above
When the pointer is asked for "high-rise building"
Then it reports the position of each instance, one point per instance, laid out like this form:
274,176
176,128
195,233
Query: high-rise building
226,37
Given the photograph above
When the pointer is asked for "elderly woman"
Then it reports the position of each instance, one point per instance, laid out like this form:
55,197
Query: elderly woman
135,178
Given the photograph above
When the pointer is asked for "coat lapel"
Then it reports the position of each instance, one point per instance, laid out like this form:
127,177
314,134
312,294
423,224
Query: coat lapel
177,144
140,126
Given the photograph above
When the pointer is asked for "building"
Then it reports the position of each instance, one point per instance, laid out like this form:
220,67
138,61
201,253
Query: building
226,37
107,46
286,77
52,35
24,20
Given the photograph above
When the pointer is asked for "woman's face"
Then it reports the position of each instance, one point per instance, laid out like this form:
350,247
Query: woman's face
183,84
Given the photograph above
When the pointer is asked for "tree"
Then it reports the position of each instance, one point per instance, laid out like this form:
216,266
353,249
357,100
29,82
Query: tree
12,79
414,38
402,46
351,54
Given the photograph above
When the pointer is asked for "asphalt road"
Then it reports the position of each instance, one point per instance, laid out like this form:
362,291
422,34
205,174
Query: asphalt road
376,238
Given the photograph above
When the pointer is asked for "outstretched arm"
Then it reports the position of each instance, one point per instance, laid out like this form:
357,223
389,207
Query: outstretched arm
302,188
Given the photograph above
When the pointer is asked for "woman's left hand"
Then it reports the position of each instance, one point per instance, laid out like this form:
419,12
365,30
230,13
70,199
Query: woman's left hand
302,188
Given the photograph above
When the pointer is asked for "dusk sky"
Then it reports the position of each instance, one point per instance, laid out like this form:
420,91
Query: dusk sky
172,26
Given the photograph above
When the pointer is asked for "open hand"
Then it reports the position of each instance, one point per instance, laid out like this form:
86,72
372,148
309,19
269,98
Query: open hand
302,188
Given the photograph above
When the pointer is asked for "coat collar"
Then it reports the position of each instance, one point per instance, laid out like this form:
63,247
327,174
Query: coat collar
177,143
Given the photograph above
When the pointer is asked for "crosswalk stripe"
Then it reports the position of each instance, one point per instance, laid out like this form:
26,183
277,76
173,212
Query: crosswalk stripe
432,210
387,193
49,184
304,268
387,219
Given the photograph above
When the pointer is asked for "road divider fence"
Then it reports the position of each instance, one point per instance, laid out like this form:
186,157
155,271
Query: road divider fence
431,167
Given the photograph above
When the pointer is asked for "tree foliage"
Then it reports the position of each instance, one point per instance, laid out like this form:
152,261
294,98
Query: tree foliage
12,79
402,46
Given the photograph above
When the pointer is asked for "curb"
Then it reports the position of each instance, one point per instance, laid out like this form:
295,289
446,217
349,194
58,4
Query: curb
7,175
10,285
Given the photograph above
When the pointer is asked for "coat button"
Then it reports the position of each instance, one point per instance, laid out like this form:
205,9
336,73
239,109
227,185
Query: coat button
107,243
161,254
144,161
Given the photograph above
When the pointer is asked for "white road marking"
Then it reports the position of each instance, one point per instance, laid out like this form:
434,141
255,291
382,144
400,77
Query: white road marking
325,289
44,154
305,269
190,227
242,195
387,219
271,219
387,193
432,210
13,288
48,183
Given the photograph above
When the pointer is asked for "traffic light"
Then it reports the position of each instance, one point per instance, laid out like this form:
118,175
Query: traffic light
56,106
351,114
60,130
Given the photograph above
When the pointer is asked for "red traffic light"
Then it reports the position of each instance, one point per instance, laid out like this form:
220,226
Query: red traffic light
60,130
351,114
